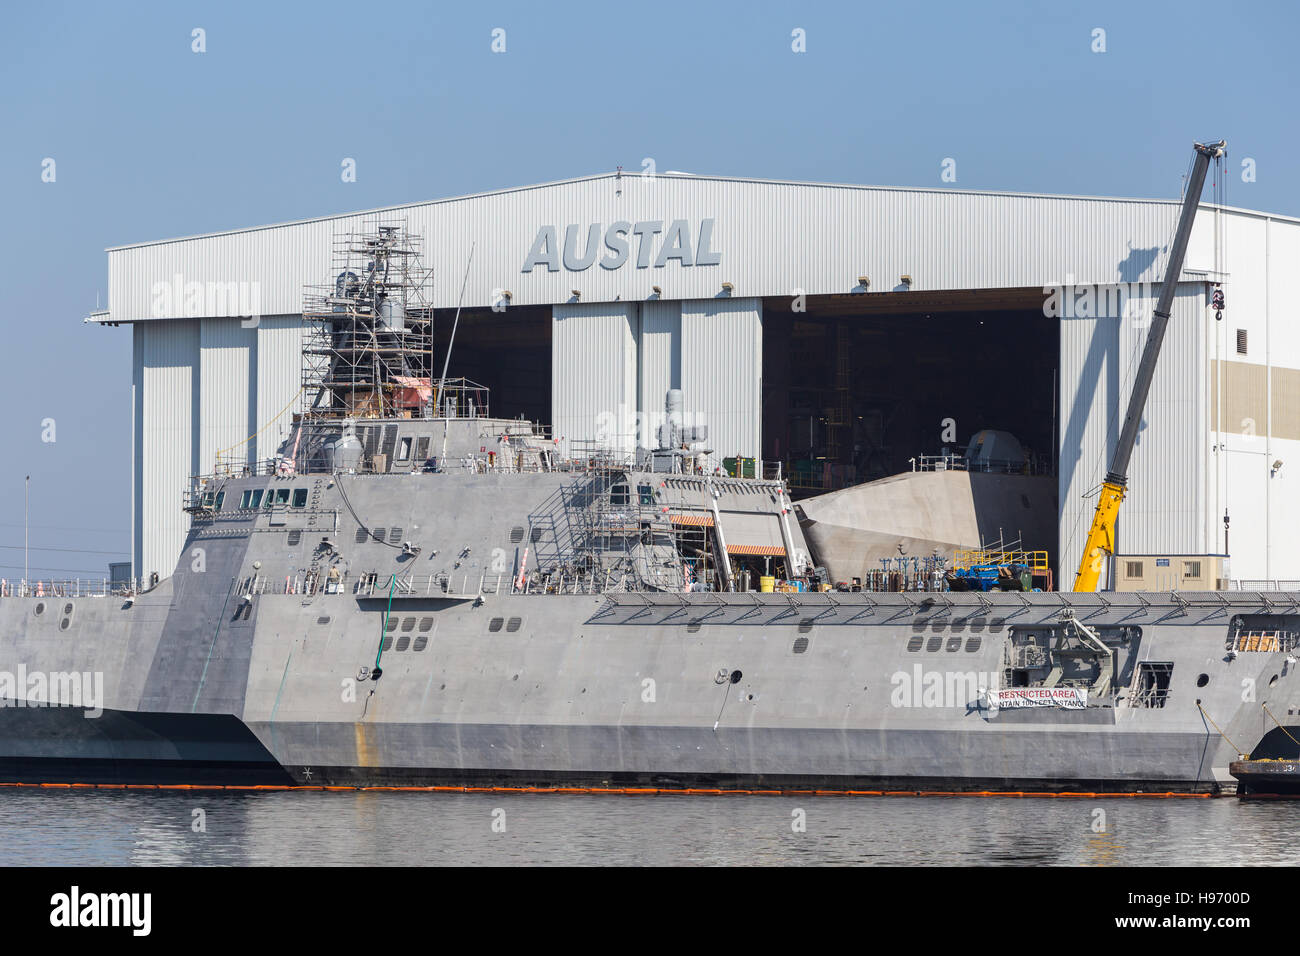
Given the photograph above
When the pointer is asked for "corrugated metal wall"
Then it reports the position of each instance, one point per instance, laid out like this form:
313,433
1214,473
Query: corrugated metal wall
1254,352
227,407
278,383
202,387
594,373
166,444
770,237
722,371
660,362
1164,508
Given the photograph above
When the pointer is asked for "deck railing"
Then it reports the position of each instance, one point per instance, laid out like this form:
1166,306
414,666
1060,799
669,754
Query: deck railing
73,587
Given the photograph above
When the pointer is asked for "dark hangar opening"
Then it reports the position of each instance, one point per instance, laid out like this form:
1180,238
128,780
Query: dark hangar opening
509,352
856,386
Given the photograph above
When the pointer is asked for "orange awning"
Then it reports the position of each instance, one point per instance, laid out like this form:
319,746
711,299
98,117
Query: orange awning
695,520
762,550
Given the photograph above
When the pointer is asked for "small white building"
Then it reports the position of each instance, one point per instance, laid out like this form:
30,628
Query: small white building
840,330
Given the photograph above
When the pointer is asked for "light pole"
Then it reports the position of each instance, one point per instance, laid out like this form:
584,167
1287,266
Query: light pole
27,484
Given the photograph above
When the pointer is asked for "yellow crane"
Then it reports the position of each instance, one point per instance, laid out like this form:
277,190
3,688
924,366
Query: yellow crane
1100,545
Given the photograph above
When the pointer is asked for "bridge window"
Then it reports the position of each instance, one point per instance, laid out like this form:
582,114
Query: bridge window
221,496
300,497
282,496
404,450
256,500
244,499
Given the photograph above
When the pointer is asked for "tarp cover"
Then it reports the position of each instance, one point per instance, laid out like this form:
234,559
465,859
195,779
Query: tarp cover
411,392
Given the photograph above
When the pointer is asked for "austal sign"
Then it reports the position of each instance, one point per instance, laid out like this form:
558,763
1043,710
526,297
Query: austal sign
688,247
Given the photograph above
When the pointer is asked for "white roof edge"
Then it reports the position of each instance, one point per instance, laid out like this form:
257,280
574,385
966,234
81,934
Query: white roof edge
694,177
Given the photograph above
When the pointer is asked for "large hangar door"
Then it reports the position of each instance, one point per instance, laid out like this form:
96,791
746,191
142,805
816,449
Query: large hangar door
661,363
613,363
594,375
722,372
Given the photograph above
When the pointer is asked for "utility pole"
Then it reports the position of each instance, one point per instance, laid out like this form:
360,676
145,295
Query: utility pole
27,485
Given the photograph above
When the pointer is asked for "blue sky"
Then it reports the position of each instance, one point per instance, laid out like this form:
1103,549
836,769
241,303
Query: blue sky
151,140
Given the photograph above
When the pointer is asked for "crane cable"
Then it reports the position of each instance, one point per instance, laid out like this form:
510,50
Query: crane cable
264,427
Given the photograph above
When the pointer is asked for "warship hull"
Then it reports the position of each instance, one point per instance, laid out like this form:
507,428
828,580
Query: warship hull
236,669
656,690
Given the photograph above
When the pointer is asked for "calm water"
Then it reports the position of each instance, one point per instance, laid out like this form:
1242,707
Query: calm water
304,828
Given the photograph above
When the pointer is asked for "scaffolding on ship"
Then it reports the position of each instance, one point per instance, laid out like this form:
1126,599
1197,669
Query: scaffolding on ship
368,333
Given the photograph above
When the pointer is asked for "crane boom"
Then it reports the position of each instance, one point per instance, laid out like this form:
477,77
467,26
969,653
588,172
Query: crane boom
1100,543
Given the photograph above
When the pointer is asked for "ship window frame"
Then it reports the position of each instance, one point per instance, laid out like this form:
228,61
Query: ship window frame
404,448
220,499
282,496
255,501
245,498
299,498
1153,683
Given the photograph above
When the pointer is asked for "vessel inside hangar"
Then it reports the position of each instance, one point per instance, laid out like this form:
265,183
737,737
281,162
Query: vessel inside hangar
911,426
857,388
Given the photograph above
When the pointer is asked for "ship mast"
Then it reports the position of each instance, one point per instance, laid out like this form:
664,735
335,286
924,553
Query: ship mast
369,334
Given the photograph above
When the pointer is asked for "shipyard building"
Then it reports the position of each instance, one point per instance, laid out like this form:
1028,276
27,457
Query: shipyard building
840,334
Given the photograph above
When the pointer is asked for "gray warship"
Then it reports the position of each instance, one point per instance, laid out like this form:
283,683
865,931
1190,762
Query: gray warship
416,593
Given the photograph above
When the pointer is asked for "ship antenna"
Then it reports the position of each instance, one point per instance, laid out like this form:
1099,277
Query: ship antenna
442,382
